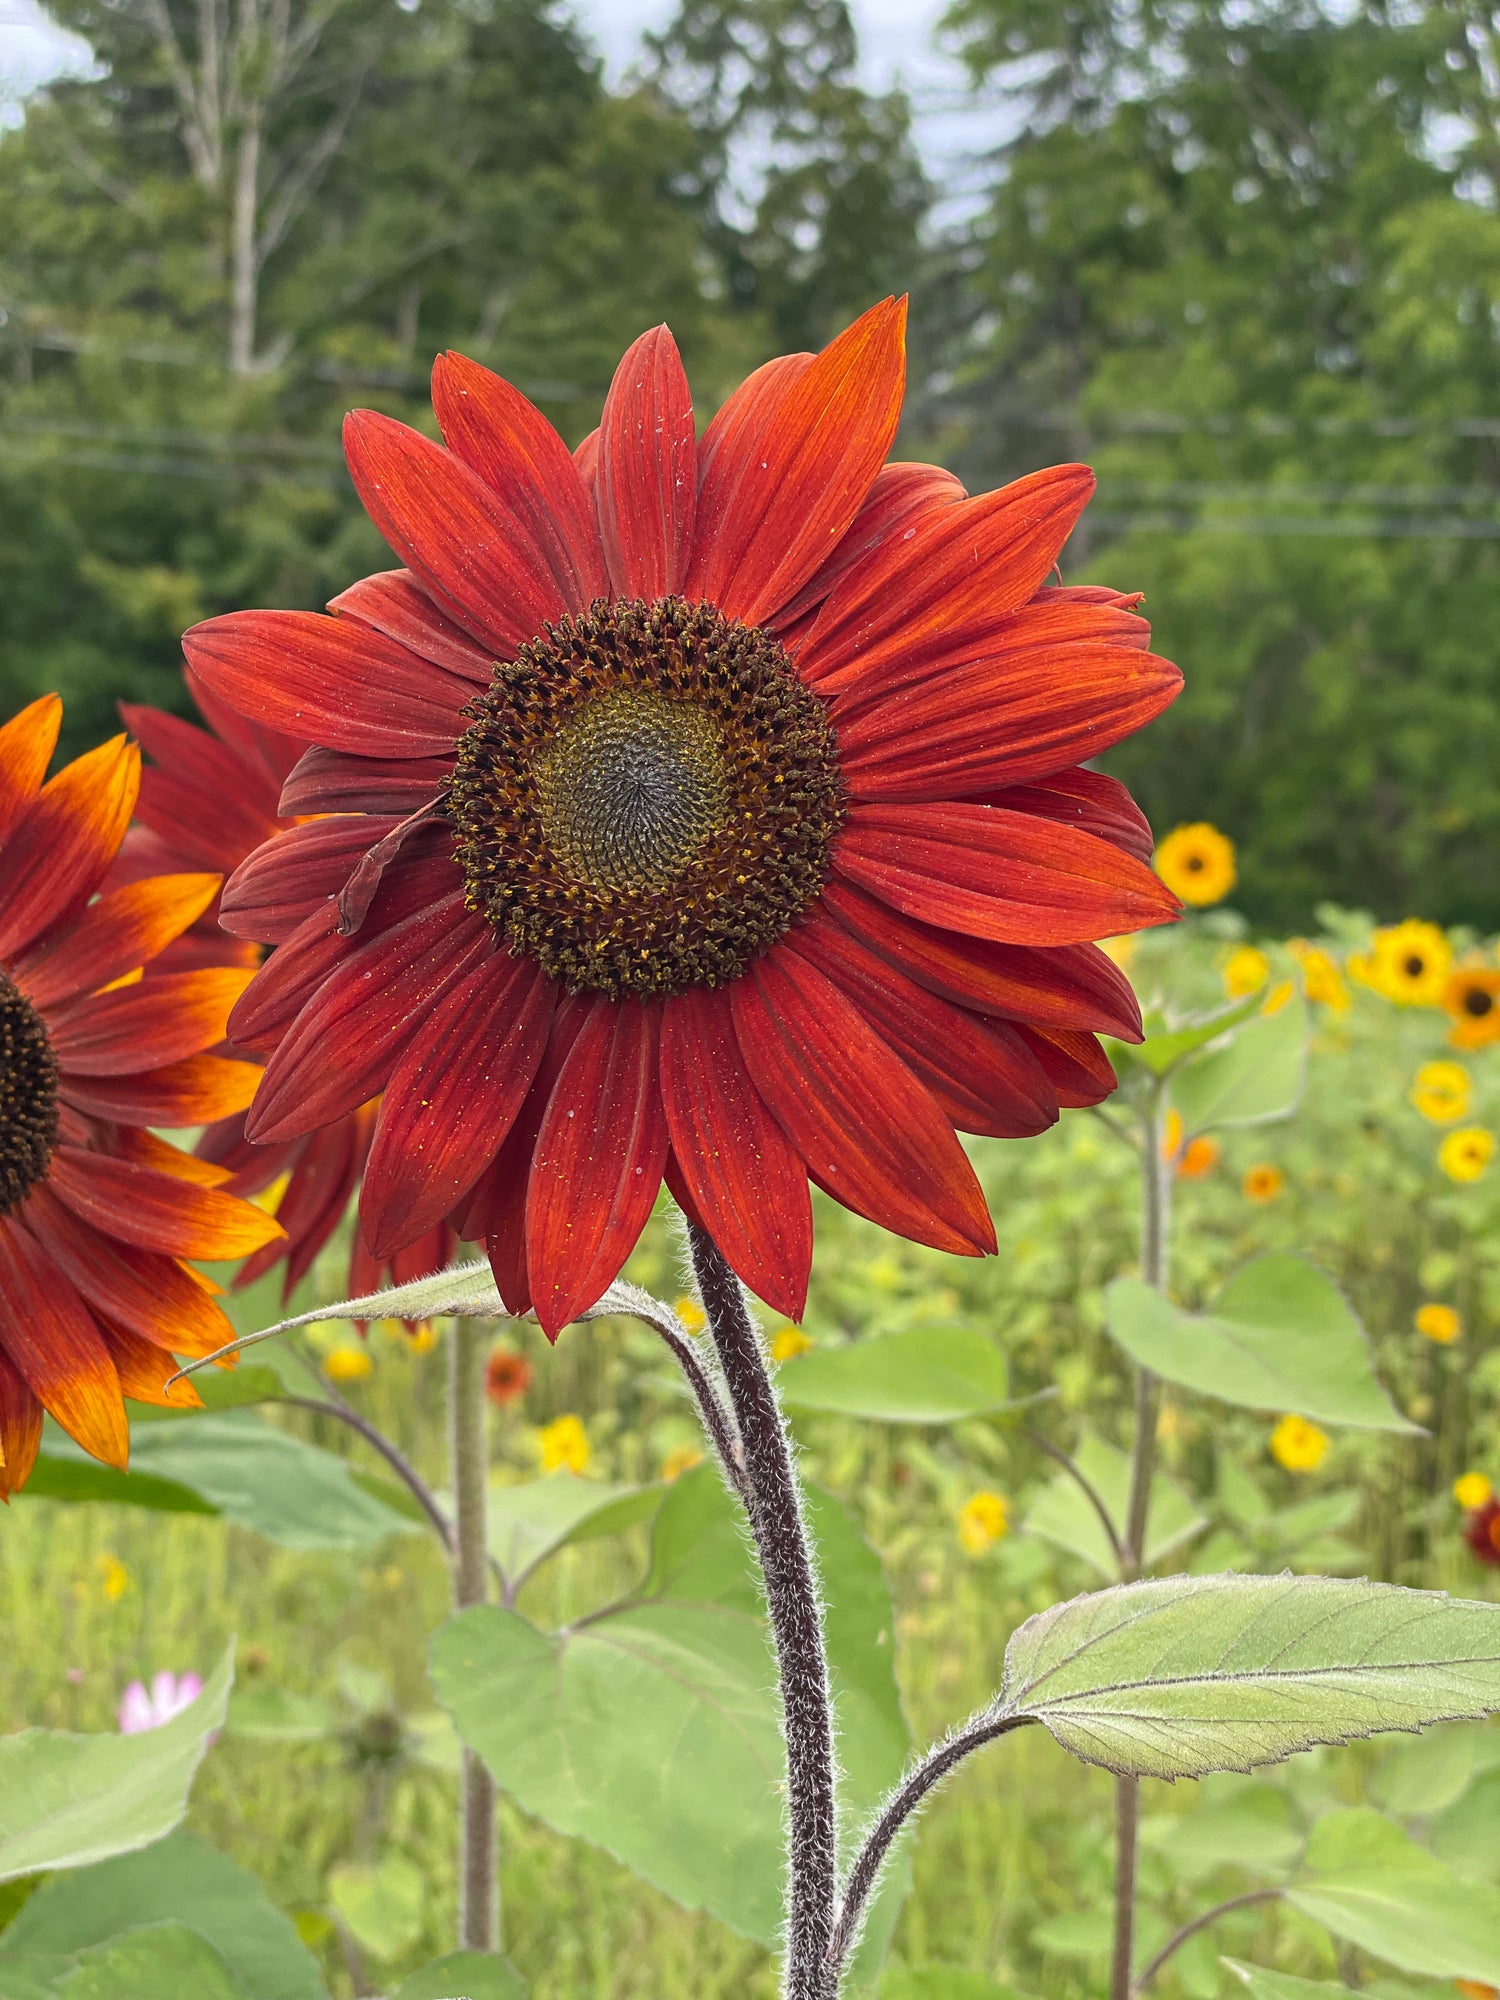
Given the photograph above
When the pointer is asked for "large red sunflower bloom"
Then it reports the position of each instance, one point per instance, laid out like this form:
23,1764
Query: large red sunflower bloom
96,1214
709,809
210,797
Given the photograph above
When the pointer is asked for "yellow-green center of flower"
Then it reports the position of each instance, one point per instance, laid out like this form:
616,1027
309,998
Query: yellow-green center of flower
646,797
28,1097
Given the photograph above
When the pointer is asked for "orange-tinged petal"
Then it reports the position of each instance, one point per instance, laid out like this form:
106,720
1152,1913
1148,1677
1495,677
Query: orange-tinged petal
52,1339
133,1143
154,1022
784,480
195,1091
20,1429
144,1370
158,1211
125,929
59,848
26,745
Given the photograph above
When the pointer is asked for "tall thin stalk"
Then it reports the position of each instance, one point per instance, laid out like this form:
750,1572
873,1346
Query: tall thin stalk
478,1861
1156,1222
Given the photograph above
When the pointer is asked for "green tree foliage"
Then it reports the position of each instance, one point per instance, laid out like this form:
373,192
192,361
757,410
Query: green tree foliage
1247,261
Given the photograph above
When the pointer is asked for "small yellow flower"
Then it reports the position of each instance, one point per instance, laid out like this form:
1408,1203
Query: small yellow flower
677,1462
1171,1135
1197,863
1472,1489
1440,1091
423,1337
564,1443
1298,1445
1277,998
1409,963
982,1520
1321,979
787,1342
114,1578
1464,1154
1199,1157
692,1315
1439,1322
1472,998
1262,1182
348,1364
1246,972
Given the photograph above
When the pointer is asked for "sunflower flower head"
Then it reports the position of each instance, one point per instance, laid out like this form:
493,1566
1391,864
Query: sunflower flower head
1409,963
1197,863
507,1377
1297,1445
1198,1157
1482,1532
1464,1154
1441,1091
1246,971
1438,1323
982,1520
730,796
1471,995
1472,1489
563,1445
1263,1182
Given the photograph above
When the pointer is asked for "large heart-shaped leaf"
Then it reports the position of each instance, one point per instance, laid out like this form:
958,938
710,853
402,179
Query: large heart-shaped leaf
476,1975
529,1522
380,1902
1178,1677
1256,1077
1063,1514
1263,1984
925,1375
1379,1890
1281,1336
69,1800
157,1962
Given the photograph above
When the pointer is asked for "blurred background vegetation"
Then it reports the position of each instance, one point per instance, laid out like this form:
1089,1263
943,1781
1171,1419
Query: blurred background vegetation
1243,258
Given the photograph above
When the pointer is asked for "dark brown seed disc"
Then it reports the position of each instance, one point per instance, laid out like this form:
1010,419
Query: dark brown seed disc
28,1097
646,797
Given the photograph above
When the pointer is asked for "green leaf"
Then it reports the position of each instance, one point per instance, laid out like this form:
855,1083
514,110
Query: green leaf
273,1715
63,1472
464,1975
1432,1773
1164,1047
68,1800
652,1730
179,1880
528,1523
1255,1078
239,1388
1281,1336
1239,1825
1463,1834
1178,1677
1062,1514
1392,1898
30,1976
942,1982
926,1375
1263,1984
157,1962
381,1904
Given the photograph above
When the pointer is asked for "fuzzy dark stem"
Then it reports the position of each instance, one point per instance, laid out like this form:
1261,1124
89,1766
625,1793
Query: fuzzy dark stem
716,1419
1199,1923
1085,1485
865,1872
774,1507
404,1470
478,1863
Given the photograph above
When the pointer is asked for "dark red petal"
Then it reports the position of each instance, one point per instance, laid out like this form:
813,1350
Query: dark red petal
648,470
677,1188
324,1172
51,1339
869,1131
469,550
191,1092
964,565
394,603
278,887
1099,804
1000,721
331,781
266,751
331,680
998,874
586,458
981,1073
345,1042
744,1179
158,1211
151,1294
140,1027
1071,986
125,929
20,1430
56,853
452,1098
26,745
901,494
209,803
503,437
598,1161
1081,1072
784,475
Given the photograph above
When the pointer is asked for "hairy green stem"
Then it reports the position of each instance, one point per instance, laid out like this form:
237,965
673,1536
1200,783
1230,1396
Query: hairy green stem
478,1862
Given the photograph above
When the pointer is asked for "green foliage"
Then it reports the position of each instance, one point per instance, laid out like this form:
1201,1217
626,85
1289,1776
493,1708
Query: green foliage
1063,1513
938,1375
1253,1078
476,1974
380,1904
530,1521
1382,1892
67,1800
156,1962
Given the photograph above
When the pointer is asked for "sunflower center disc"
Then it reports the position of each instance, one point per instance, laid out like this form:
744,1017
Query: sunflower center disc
28,1097
646,797
1478,1003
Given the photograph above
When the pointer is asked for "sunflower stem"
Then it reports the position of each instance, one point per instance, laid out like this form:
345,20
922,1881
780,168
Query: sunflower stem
478,1866
774,1506
1156,1220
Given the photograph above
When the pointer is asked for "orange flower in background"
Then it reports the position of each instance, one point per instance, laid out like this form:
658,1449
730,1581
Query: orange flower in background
1482,1532
1199,1157
724,796
507,1376
97,1214
1472,999
1197,863
1263,1182
1439,1323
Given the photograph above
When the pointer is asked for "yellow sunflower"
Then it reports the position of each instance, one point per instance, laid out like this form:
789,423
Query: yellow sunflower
1298,1445
1439,1323
1472,1489
1263,1182
1409,963
1440,1091
1464,1154
1197,863
982,1520
1472,997
1245,971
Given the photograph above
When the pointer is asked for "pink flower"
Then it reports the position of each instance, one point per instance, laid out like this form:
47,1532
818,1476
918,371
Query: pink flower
169,1695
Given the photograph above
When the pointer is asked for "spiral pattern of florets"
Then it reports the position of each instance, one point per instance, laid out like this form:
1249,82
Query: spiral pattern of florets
28,1097
646,797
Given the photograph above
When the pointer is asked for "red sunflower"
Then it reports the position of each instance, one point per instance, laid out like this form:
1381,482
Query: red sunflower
209,798
707,809
96,1214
